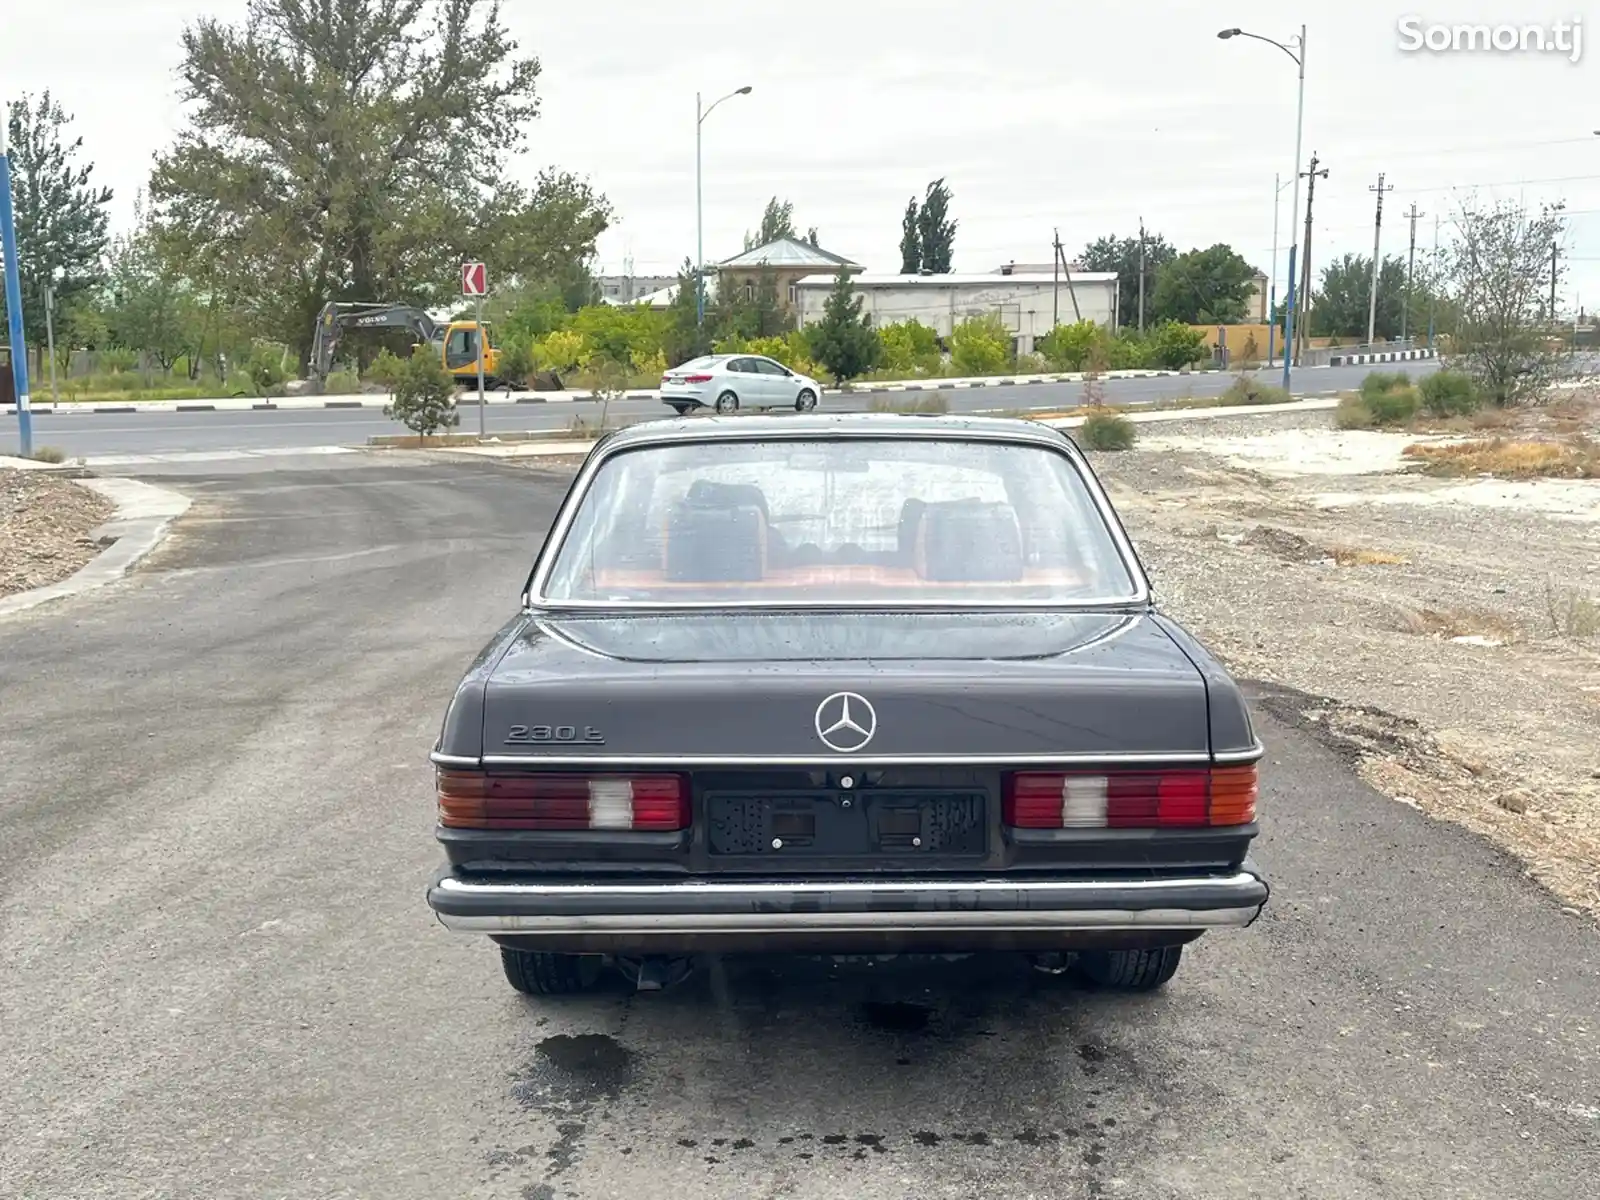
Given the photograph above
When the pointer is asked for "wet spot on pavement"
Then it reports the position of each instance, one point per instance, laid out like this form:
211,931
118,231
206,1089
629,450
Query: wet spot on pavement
896,1016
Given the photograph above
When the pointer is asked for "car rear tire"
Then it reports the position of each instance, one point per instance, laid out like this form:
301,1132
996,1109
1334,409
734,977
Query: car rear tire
1131,970
805,401
536,973
727,403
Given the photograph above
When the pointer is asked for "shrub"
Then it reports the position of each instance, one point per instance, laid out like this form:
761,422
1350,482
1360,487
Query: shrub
1353,413
1067,347
48,454
386,369
980,345
1107,431
1129,351
265,371
342,383
1247,389
515,362
937,403
116,360
560,350
1393,407
424,396
1174,346
1450,394
909,347
1378,382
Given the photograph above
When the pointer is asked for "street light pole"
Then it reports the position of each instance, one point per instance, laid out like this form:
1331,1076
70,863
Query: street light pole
700,116
13,286
1299,131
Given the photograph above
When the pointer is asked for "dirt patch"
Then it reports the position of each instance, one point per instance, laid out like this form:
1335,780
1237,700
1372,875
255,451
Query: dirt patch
45,520
1447,635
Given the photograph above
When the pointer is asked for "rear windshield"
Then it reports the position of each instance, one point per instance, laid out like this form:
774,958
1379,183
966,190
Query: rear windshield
847,522
700,363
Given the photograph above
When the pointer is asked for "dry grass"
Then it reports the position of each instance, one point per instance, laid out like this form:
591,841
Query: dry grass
1574,457
1572,614
1355,556
1459,623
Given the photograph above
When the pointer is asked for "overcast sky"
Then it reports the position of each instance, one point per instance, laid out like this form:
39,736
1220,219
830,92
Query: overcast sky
1039,113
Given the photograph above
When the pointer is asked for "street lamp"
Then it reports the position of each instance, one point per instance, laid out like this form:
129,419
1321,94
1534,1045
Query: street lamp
700,116
1299,43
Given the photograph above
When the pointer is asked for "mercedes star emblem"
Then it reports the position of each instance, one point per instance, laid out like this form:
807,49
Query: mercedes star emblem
846,722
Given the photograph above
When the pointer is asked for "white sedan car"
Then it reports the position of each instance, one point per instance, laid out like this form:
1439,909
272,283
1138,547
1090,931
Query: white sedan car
727,382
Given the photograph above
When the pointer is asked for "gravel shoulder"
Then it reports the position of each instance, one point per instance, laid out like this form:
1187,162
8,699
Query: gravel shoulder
1442,632
45,522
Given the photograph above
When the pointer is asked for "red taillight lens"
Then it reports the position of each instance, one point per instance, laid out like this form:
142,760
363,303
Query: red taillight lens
697,379
1178,799
474,800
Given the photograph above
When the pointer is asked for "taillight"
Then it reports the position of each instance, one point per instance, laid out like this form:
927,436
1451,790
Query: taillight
1176,799
474,800
697,379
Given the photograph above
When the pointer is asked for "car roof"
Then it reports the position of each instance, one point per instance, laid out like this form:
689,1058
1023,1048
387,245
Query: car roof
824,425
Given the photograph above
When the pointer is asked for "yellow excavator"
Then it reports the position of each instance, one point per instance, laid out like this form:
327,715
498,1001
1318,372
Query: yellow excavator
456,343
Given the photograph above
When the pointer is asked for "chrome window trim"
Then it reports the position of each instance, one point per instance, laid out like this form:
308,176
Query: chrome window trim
534,599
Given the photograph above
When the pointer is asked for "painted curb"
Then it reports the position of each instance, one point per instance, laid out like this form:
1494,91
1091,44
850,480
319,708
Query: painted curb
1320,402
304,403
1380,356
144,516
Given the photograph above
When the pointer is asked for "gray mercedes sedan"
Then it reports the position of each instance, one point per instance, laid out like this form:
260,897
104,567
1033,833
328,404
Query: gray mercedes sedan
845,684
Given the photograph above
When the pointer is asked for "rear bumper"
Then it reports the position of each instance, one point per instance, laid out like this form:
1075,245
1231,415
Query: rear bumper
972,914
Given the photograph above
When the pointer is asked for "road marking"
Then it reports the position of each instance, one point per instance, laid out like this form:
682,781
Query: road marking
194,456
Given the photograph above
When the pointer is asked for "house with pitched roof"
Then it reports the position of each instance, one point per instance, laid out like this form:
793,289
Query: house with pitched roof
789,260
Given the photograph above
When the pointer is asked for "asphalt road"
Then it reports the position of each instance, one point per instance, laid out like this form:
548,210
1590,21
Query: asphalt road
221,980
90,434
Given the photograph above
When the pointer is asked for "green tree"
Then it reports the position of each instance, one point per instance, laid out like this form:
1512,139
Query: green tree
1204,287
749,309
153,311
936,229
357,150
424,396
1341,301
843,342
910,240
1497,272
777,221
1121,255
60,216
684,337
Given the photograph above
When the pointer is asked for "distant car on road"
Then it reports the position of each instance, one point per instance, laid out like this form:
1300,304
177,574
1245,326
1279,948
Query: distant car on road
856,683
726,383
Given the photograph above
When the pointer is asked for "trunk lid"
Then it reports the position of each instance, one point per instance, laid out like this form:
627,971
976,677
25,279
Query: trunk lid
767,688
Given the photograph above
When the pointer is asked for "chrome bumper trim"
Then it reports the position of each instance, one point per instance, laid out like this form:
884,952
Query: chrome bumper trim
879,906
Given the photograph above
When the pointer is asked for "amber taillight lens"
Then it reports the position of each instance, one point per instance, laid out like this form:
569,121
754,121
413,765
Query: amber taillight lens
478,800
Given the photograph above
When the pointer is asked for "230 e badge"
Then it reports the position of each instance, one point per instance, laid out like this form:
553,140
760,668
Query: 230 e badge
536,735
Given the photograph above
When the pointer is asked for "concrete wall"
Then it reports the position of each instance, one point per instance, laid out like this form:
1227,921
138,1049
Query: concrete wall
1027,304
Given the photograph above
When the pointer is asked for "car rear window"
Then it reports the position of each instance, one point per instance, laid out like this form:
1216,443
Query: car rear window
696,364
847,522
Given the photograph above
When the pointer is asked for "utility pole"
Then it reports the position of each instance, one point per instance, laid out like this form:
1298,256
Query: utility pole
1072,292
1377,258
1433,292
1411,259
1055,271
1141,275
1305,263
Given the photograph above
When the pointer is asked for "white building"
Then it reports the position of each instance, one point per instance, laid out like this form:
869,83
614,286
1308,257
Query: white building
1029,305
